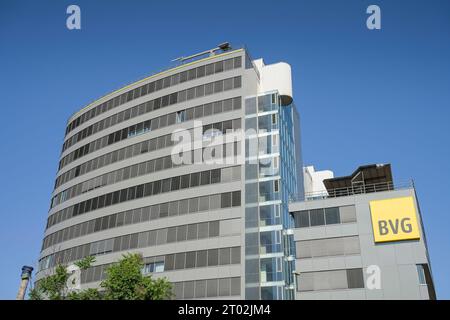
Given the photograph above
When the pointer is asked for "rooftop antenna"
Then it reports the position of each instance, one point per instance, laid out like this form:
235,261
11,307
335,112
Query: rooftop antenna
223,47
25,278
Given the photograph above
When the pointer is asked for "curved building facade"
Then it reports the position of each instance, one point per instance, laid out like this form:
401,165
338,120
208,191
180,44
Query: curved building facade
192,167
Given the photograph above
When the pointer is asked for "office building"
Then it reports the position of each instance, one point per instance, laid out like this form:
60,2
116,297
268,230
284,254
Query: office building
216,223
199,169
361,238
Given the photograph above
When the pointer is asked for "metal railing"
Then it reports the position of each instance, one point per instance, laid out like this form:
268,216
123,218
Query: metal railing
354,190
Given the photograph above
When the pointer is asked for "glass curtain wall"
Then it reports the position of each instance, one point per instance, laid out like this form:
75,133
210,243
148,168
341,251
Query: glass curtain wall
271,176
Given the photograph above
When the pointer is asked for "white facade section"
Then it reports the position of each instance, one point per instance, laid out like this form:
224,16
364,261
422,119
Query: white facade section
313,180
277,76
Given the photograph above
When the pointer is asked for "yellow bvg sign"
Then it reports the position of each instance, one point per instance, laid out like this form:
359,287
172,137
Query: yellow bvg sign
394,219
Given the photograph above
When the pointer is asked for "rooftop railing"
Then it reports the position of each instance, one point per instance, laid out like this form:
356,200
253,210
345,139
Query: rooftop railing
354,190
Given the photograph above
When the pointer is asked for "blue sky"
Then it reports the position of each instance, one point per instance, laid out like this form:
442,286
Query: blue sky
364,96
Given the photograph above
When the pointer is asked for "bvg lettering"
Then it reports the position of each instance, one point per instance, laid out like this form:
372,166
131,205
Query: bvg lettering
385,226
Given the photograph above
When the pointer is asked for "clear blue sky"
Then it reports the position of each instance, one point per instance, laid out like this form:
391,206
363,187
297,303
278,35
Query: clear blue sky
364,96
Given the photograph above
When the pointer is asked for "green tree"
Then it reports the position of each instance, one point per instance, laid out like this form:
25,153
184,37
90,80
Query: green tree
124,281
54,287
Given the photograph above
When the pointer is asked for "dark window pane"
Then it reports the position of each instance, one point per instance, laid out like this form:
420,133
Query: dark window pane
201,259
355,278
213,257
195,179
179,260
332,215
317,217
190,259
301,219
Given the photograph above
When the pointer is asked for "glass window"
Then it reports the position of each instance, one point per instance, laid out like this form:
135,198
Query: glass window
201,258
237,62
237,82
183,207
332,215
161,236
204,203
317,217
228,64
181,233
195,179
215,201
190,94
355,278
193,205
189,290
214,229
236,198
218,67
209,88
235,284
218,86
211,287
192,232
205,177
163,210
173,208
235,255
209,69
152,238
224,287
171,234
200,288
185,181
183,76
192,74
200,71
213,257
207,109
179,260
228,85
224,256
169,262
215,176
421,274
190,259
226,200
203,230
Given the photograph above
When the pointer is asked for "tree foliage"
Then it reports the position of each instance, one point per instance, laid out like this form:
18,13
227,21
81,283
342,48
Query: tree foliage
124,281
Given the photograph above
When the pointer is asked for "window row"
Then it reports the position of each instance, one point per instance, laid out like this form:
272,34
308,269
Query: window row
194,259
156,264
133,241
324,216
195,73
222,287
140,169
144,214
125,153
330,280
159,122
148,189
327,247
120,135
